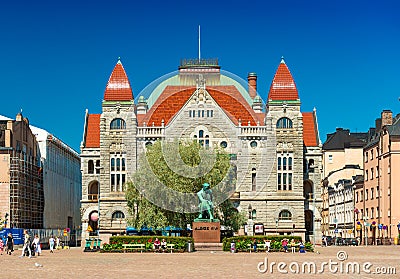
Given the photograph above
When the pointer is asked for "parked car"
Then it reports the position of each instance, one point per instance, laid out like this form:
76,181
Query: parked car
351,241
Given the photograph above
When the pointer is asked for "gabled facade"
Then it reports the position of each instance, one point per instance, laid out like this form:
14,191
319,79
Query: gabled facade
276,148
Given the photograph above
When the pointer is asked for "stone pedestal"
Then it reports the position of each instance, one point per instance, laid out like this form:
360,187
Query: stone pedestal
206,232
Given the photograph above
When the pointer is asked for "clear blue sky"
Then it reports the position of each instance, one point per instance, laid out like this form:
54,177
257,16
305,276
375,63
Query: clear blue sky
56,56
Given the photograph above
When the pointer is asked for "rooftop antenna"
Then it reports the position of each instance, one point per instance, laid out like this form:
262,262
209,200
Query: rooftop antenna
199,44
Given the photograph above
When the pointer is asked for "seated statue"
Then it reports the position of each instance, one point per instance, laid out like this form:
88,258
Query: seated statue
206,206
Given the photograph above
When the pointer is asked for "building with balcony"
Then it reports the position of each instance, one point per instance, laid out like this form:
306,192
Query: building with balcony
275,147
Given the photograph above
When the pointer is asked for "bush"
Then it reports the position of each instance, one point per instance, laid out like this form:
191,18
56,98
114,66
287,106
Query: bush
116,242
242,242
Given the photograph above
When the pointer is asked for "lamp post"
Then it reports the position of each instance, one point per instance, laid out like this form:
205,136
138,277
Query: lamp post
276,225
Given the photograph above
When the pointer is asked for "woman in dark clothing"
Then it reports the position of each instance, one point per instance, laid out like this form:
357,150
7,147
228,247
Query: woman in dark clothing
10,244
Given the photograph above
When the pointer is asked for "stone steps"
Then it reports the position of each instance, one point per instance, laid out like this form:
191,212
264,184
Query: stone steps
208,246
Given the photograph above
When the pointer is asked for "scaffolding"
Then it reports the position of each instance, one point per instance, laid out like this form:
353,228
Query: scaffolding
26,192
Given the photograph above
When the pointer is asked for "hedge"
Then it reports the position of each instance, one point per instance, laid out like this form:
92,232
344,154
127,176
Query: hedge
242,242
116,242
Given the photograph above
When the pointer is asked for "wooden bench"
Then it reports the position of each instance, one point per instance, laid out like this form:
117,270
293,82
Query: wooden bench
260,247
133,247
171,247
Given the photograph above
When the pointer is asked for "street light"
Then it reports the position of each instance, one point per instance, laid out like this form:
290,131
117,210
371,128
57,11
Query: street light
276,225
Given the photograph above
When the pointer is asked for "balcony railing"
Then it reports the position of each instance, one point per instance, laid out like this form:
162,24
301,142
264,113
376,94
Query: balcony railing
93,197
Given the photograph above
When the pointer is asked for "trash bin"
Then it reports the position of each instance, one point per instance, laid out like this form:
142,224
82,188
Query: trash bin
396,241
190,247
233,247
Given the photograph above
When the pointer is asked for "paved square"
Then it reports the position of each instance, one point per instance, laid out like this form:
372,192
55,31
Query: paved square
74,263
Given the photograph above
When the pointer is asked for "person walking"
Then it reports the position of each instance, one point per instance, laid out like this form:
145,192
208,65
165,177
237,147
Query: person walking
10,243
51,243
27,244
57,243
36,241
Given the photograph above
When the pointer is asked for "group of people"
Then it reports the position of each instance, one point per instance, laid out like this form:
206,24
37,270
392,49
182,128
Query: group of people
9,245
30,247
159,245
285,244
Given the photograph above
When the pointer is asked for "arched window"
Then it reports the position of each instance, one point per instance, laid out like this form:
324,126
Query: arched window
254,214
117,215
93,191
285,215
90,167
284,123
117,124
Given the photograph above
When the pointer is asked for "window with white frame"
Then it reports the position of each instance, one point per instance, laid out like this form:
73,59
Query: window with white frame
285,171
117,172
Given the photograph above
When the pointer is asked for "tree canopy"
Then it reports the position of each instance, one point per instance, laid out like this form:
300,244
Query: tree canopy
163,190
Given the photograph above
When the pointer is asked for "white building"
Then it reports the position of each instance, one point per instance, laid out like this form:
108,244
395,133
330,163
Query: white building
61,181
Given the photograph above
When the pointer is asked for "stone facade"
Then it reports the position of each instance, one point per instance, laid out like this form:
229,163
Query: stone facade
268,145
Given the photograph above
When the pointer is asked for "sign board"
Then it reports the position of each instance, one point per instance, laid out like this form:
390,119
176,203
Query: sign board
259,228
336,230
18,235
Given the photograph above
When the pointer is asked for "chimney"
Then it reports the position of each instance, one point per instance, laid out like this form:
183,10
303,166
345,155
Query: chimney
252,82
387,117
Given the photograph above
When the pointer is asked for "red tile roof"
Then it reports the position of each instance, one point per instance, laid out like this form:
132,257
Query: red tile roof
309,129
173,98
167,105
232,102
283,87
118,87
93,131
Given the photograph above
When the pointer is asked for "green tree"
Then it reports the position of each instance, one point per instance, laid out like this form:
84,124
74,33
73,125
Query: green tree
163,189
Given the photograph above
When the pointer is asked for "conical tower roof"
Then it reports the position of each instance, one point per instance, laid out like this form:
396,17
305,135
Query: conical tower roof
283,87
118,87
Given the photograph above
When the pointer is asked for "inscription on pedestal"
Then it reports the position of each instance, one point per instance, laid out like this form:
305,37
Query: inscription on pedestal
206,232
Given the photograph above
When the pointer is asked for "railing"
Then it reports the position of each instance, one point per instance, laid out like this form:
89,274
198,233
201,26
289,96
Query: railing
93,197
151,131
199,62
253,131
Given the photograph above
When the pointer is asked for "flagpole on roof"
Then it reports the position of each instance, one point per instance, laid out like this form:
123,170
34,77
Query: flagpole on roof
199,44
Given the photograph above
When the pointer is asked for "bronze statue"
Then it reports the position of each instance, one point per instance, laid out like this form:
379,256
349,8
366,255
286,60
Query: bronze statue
206,206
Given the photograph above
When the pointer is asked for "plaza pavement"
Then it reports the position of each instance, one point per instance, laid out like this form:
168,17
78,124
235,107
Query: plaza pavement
74,263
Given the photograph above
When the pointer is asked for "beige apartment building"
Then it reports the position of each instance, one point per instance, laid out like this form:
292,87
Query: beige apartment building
377,210
342,162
